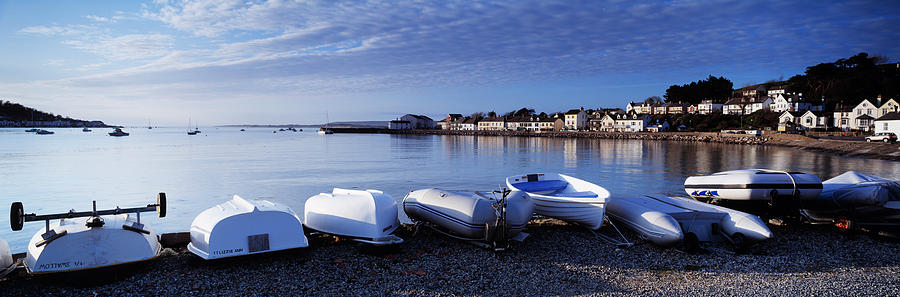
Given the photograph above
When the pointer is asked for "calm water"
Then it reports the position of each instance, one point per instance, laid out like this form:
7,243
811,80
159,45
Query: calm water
55,173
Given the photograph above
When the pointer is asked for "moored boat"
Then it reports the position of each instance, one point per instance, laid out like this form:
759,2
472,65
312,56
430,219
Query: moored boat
754,185
490,217
563,197
105,238
241,227
118,132
666,221
368,216
85,129
856,198
7,264
43,132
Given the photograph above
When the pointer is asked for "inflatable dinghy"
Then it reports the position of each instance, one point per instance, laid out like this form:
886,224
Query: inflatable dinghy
492,217
754,185
563,197
368,216
105,238
666,221
242,227
7,264
862,198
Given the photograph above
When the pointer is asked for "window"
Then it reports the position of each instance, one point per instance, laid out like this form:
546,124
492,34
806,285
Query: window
885,126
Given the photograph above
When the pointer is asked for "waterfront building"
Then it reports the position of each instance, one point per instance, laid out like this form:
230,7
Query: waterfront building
469,124
887,107
443,125
790,102
889,122
692,108
709,107
813,120
492,124
676,108
789,117
631,122
734,106
775,91
418,121
863,115
756,104
576,119
660,108
842,119
632,107
399,125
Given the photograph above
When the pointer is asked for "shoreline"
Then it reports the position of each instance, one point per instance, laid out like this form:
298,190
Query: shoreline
850,148
430,264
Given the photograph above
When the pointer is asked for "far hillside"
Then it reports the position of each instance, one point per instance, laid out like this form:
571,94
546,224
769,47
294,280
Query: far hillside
17,115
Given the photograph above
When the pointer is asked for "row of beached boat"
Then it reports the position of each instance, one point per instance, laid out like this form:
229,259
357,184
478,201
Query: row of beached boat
85,240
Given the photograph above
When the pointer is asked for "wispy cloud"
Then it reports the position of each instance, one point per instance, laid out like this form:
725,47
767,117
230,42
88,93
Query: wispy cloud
312,49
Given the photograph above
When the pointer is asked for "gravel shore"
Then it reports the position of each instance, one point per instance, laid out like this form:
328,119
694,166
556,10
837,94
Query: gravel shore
557,259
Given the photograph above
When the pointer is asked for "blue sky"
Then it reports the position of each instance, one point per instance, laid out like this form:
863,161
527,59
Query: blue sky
266,62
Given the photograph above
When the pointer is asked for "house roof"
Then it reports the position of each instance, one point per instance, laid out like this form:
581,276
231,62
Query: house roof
470,121
399,121
493,119
815,113
454,115
795,114
865,117
573,111
889,116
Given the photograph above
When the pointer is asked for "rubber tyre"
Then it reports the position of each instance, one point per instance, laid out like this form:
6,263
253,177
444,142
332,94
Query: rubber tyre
161,205
887,140
868,140
16,216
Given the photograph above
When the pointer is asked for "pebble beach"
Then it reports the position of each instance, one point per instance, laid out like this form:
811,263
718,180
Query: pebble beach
557,259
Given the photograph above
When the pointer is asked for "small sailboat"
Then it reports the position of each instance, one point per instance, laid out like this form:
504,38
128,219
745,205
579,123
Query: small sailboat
85,129
43,132
368,216
7,264
563,197
667,221
754,185
242,227
324,129
32,130
106,238
489,219
148,125
118,132
195,131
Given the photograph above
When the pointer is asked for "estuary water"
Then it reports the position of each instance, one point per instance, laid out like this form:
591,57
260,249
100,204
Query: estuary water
68,170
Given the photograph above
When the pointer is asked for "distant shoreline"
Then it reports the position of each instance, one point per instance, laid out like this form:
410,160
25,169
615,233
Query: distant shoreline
883,151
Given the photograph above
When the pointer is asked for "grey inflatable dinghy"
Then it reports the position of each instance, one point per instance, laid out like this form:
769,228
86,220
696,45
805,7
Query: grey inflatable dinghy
491,218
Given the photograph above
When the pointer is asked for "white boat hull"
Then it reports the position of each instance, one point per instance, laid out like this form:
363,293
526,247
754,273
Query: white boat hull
756,185
367,216
467,214
87,248
7,264
665,221
242,227
563,197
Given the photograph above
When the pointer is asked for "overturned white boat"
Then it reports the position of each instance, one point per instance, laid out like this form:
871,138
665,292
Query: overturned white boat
563,197
368,216
857,198
754,185
105,238
242,227
666,221
7,264
491,217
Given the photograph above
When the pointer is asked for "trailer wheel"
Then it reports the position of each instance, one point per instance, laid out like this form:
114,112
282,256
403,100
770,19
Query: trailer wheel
16,216
161,205
691,243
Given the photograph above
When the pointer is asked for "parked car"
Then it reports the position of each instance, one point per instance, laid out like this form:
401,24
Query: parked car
882,136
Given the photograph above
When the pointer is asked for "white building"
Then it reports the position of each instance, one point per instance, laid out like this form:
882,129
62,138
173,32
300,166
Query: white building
789,117
863,115
709,107
790,102
888,107
631,122
757,104
576,119
889,122
469,124
813,120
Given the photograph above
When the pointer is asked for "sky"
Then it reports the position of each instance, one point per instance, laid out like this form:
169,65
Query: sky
278,62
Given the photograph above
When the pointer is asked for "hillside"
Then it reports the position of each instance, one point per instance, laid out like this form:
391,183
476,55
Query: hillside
16,115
